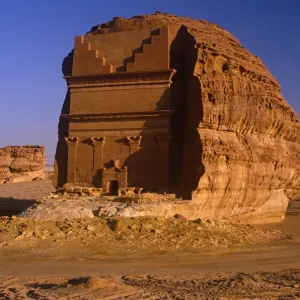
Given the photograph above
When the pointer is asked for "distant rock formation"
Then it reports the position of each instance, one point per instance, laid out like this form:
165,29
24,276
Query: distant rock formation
22,163
235,141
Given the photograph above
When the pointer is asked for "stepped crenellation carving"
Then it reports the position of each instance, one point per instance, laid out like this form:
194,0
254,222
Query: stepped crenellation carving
88,60
151,56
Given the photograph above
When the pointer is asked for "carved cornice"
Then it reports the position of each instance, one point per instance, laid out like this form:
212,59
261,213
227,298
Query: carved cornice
72,141
135,115
121,79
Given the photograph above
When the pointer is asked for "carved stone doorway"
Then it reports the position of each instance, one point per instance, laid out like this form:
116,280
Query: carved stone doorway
113,187
113,178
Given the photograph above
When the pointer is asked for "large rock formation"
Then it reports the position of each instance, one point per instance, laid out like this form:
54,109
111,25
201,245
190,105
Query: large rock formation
21,163
237,139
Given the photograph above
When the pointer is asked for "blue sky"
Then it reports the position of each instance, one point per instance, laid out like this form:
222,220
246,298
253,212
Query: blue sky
36,35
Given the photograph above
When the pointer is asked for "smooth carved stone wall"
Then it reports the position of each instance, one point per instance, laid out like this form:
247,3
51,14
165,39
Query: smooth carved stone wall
21,163
117,108
233,140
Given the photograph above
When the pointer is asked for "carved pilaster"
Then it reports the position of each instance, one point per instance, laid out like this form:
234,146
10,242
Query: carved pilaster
98,143
134,145
72,143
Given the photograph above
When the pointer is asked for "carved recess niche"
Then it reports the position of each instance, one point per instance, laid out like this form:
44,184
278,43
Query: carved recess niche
98,143
114,177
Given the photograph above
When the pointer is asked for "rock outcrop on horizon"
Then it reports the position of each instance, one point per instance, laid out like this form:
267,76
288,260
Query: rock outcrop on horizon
242,152
21,163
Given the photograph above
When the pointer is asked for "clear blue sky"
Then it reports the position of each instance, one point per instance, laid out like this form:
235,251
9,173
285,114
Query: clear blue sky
36,35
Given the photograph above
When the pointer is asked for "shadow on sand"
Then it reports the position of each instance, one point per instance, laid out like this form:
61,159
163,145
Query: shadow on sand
10,206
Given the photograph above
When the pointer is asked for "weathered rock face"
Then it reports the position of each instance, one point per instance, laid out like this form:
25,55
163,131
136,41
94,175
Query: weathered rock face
239,138
21,163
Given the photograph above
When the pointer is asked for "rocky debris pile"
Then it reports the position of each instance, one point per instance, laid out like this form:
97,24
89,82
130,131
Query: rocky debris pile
129,234
60,211
68,207
126,195
149,198
71,190
62,205
22,163
59,206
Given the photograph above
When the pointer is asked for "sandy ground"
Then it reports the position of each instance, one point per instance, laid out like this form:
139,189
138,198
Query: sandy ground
99,260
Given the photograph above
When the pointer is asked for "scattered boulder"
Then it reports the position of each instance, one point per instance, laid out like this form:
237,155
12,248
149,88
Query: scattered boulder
107,211
179,216
22,163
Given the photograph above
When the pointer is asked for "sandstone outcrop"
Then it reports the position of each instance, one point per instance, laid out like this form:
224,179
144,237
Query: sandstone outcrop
21,163
235,141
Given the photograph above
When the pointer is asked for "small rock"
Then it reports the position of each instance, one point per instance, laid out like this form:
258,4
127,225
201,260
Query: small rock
147,225
25,234
90,228
113,224
156,230
133,227
105,212
179,216
198,221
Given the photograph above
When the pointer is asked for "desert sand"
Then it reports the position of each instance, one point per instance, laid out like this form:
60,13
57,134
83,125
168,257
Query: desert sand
143,258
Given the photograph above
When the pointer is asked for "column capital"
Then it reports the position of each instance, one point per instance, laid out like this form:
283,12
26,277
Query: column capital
72,141
98,140
134,140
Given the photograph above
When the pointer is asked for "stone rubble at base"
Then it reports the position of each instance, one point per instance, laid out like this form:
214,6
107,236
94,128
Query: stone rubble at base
68,206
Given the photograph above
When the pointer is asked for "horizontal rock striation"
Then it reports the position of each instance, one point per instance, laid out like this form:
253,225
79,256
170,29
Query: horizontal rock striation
248,160
21,163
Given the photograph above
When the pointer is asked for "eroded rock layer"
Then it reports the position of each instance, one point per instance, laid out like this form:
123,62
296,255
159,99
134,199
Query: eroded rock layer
235,141
21,163
249,134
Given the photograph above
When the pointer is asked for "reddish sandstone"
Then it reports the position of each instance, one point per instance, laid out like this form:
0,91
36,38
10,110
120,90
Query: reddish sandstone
161,102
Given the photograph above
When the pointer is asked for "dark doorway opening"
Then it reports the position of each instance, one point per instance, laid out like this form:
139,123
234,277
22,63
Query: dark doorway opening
113,187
